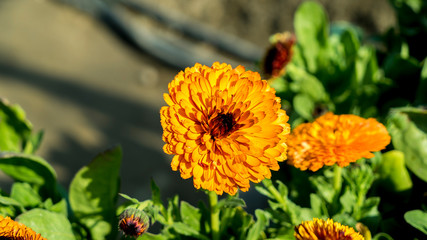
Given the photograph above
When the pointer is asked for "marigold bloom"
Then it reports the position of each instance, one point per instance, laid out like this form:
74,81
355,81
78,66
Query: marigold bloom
339,139
225,127
319,229
10,229
133,222
279,54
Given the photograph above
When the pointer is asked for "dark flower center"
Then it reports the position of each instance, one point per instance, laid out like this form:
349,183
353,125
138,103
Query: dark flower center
222,125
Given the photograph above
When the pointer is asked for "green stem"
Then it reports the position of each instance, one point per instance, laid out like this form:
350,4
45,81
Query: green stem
213,200
337,179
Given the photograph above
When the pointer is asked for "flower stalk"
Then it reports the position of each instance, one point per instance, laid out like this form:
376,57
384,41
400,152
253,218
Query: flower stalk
213,200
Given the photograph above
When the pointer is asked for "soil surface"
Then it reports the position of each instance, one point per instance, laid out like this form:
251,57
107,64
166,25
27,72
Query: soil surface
88,89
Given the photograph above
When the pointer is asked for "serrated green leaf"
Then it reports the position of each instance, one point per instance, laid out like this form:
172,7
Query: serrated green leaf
93,193
50,225
323,188
263,191
25,194
59,207
370,207
348,201
311,27
29,168
231,202
318,206
262,220
417,219
344,219
283,190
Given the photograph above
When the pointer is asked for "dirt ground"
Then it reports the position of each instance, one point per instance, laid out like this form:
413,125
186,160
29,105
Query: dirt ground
87,89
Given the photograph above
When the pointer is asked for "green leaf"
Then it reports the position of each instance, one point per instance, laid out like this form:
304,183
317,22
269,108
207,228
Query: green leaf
304,82
15,129
262,220
231,202
323,188
7,201
93,193
150,236
134,200
311,27
50,225
348,201
155,191
25,194
411,140
421,96
190,215
417,219
34,142
29,168
186,230
351,44
393,173
261,189
304,106
370,207
59,207
318,206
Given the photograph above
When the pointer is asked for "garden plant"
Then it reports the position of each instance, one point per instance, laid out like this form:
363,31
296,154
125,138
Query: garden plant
331,130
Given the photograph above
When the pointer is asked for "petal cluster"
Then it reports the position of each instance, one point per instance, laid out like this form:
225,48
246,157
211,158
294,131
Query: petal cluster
225,127
319,229
10,229
335,139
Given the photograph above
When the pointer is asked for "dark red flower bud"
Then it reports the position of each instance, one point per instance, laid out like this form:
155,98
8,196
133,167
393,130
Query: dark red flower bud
279,54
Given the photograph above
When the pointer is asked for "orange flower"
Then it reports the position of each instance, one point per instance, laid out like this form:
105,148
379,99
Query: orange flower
224,126
339,139
10,229
319,229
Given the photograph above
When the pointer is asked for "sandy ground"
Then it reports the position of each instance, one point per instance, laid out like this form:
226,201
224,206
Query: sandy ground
88,90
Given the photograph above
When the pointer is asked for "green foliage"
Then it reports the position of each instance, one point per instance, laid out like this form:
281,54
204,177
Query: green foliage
49,224
417,219
31,169
330,70
410,137
15,130
93,194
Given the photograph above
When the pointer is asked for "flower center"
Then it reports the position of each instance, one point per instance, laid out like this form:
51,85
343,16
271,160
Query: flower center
221,125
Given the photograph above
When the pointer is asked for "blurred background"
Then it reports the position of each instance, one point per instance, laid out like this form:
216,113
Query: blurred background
92,73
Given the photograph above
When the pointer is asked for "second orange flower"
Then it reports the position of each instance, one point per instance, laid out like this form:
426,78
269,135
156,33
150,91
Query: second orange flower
335,139
225,127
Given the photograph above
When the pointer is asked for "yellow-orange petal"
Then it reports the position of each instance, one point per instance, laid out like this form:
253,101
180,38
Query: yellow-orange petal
335,139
